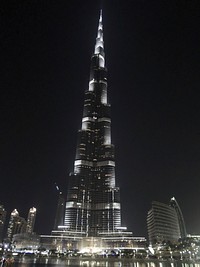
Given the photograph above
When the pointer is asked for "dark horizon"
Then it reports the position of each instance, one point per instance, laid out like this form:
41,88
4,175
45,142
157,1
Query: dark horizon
152,52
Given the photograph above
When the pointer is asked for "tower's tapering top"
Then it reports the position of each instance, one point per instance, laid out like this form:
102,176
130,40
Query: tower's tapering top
99,46
100,18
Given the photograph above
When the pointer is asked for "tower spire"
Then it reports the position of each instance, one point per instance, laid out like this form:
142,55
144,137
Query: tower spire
99,46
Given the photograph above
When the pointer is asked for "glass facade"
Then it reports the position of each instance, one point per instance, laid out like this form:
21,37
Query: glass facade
16,225
31,220
93,199
162,224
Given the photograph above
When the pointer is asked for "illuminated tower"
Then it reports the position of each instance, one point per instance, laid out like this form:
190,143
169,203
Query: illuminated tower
17,224
93,200
13,217
31,220
2,221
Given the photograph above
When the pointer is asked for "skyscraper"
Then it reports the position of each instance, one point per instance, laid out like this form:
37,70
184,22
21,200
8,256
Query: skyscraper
92,212
31,220
93,199
14,215
2,221
16,224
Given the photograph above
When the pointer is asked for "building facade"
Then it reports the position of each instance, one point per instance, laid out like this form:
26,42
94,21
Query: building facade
31,220
92,214
2,221
93,199
59,211
162,224
16,225
175,205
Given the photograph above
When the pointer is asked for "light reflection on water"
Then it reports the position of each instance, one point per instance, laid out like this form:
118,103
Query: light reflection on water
24,262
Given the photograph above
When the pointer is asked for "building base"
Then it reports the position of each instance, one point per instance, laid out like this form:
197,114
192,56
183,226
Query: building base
64,242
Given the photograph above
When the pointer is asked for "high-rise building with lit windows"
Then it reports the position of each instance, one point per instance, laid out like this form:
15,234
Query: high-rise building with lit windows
13,217
162,224
31,220
17,225
93,199
2,221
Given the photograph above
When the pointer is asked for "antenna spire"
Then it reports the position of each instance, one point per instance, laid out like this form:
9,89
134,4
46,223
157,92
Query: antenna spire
99,46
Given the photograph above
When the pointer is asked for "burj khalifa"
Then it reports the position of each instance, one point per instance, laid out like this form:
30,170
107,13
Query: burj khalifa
93,199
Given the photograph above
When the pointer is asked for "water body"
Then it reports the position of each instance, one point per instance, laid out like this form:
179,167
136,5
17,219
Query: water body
77,262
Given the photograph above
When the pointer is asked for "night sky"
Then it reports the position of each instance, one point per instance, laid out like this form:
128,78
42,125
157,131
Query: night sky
152,56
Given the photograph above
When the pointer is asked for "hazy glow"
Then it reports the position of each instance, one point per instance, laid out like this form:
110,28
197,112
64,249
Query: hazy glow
104,97
83,162
32,210
15,213
91,85
106,163
107,138
113,206
72,204
85,119
90,250
104,119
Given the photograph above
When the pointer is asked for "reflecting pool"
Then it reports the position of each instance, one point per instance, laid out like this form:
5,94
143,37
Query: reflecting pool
77,262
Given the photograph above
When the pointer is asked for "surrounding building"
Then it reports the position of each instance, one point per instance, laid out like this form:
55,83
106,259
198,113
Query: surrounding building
14,215
16,225
162,224
174,204
59,219
2,222
31,220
